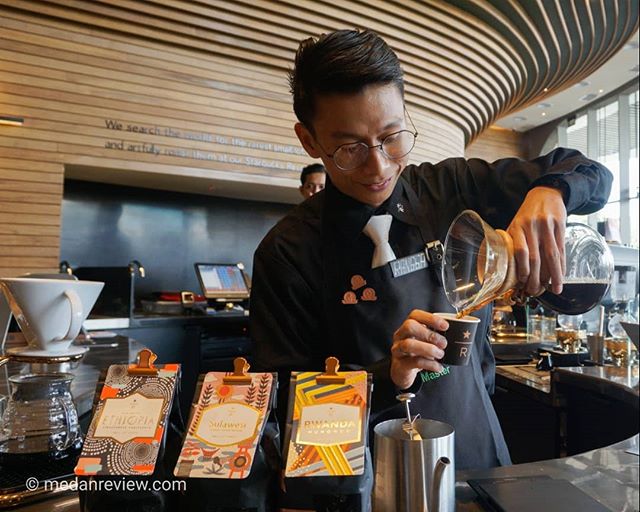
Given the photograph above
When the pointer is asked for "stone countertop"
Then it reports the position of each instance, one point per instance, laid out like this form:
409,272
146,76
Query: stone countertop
163,320
619,383
609,475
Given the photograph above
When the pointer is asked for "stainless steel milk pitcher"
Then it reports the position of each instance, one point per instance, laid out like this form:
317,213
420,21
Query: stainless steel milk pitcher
413,474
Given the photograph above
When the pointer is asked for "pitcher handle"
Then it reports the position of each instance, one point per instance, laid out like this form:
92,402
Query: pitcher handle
68,426
77,314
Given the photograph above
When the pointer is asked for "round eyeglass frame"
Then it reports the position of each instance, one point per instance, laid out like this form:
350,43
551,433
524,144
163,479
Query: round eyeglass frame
379,146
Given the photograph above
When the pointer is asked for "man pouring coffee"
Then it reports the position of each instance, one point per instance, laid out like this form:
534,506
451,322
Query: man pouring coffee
336,275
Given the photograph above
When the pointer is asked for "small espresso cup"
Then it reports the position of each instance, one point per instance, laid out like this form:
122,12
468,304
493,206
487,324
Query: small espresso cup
460,336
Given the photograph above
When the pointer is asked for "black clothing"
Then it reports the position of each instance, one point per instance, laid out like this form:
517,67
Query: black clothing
304,267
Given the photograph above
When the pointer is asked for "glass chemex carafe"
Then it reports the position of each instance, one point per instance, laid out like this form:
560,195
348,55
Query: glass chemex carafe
40,421
479,267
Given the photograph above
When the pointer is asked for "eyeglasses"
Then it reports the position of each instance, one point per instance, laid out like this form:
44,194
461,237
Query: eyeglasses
394,146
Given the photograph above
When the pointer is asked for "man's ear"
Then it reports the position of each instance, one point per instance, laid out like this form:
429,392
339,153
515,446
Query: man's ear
307,141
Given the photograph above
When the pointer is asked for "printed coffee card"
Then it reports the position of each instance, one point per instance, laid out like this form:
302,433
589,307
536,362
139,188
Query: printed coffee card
225,428
328,425
129,422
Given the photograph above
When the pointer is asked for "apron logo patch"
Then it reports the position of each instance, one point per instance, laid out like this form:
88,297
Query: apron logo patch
349,298
426,376
357,281
369,294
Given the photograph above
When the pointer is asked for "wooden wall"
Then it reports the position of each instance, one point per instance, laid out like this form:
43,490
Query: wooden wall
495,143
191,95
192,104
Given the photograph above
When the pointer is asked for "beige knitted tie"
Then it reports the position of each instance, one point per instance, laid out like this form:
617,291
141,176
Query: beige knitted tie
378,230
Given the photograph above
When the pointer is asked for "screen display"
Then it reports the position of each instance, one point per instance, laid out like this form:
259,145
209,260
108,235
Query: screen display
222,281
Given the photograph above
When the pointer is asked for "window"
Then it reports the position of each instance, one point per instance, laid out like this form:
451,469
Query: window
608,133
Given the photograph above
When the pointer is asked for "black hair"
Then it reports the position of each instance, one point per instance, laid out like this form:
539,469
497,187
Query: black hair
311,169
341,62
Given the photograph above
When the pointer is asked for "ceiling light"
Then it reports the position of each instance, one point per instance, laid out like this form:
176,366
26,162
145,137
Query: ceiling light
544,113
12,120
544,105
631,45
600,91
584,83
546,89
635,69
519,118
589,97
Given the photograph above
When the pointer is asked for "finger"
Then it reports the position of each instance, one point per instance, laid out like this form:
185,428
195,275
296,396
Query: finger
413,329
533,282
559,233
429,319
545,275
521,254
405,369
551,258
411,347
427,364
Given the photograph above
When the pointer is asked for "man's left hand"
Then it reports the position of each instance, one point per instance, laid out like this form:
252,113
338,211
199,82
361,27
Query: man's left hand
538,240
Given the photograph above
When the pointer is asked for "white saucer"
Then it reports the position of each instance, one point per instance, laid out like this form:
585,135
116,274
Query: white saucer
72,351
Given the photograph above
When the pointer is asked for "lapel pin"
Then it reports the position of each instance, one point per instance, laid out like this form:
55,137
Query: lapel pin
357,281
369,294
349,298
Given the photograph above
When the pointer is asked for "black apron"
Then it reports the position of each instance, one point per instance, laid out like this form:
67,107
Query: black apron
361,332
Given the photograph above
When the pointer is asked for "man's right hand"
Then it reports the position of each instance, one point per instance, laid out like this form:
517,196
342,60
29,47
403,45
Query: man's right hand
416,346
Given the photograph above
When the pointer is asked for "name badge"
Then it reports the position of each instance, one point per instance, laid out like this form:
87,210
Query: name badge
408,264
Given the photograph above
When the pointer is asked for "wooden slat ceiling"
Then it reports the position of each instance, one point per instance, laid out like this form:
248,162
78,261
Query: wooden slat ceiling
468,61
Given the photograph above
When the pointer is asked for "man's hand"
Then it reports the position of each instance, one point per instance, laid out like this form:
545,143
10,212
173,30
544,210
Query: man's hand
416,346
538,240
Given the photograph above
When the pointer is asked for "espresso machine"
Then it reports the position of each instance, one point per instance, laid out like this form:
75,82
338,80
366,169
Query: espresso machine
39,426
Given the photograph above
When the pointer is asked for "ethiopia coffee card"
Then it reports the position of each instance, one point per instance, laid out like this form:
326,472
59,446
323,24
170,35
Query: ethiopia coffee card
129,422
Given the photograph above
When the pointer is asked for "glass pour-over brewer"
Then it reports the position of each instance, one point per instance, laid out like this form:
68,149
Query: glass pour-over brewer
479,267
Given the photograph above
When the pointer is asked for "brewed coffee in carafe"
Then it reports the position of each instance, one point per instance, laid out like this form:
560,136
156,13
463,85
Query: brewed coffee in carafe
479,267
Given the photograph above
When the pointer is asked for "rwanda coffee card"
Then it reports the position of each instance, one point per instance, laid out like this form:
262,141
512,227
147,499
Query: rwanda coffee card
327,425
225,427
129,422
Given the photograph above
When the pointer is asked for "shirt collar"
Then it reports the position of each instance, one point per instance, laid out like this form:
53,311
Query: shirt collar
347,217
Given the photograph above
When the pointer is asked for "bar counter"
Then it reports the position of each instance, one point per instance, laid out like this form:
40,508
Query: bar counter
609,474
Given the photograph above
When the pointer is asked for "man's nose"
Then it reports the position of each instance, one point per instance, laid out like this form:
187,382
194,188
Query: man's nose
377,162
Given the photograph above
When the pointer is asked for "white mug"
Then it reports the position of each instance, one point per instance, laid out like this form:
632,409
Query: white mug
50,312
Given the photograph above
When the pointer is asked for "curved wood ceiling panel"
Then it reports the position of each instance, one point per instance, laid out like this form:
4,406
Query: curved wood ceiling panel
466,61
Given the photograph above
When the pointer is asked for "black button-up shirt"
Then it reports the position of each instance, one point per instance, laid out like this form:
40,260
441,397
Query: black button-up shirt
304,265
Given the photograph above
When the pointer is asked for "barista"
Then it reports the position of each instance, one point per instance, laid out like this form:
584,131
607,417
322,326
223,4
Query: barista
320,285
312,180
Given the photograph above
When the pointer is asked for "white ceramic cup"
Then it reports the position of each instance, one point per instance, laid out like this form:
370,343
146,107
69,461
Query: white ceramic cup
50,312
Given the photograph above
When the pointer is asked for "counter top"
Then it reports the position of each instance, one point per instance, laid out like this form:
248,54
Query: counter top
618,383
609,475
151,320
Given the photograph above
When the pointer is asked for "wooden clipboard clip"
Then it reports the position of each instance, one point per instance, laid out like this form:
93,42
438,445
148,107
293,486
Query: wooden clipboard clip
144,364
330,375
240,369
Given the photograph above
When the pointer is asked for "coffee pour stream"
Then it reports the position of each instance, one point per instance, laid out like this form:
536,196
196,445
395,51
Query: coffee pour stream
479,267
